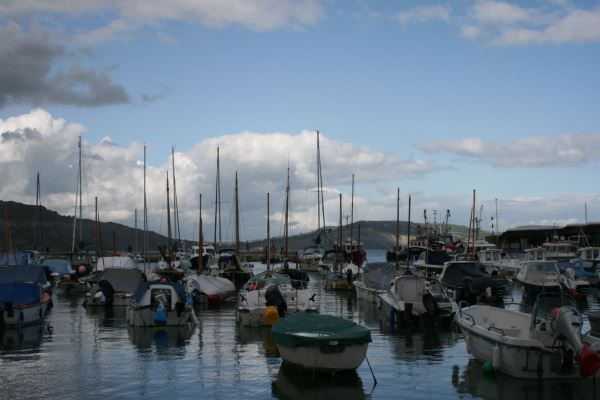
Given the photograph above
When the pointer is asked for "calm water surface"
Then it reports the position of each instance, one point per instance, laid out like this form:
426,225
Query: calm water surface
90,354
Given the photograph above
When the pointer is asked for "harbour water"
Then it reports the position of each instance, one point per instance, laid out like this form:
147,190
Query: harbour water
81,353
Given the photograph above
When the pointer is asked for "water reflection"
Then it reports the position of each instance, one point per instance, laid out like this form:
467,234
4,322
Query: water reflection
160,338
502,387
259,335
24,338
293,383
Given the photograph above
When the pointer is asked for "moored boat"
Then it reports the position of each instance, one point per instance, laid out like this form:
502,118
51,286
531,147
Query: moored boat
546,344
321,342
374,279
22,303
160,303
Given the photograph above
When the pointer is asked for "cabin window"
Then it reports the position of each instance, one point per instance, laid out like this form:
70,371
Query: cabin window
158,295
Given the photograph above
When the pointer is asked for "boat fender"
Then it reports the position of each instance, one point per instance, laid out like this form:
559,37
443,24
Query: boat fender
589,361
160,315
497,356
469,342
271,315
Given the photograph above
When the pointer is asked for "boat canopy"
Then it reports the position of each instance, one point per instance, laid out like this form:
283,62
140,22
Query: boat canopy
123,280
59,265
23,273
378,275
115,262
308,329
456,275
18,293
144,286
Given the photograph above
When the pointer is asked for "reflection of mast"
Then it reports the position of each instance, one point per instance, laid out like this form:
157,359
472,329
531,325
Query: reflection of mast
218,202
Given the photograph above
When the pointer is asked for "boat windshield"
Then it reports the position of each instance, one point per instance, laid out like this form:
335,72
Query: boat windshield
546,302
546,266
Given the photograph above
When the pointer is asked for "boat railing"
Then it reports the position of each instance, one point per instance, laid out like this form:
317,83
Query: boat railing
463,314
495,328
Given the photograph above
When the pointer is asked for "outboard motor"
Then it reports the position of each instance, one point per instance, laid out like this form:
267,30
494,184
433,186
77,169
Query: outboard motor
274,297
566,322
107,290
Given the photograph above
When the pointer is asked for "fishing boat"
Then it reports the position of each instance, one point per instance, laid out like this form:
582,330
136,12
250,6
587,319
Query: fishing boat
321,342
544,345
374,279
492,260
310,258
467,281
431,261
160,303
411,297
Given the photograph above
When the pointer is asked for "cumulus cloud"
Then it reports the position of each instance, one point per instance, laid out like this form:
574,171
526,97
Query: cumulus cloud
505,23
29,73
541,151
37,141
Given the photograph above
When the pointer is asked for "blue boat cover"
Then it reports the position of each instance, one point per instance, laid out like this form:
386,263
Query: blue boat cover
59,265
23,273
18,293
308,329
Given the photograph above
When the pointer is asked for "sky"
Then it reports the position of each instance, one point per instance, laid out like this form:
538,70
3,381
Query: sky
435,98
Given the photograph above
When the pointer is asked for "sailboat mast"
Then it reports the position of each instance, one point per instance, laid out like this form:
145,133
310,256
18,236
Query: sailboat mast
145,244
397,250
135,233
76,201
339,268
175,205
268,233
497,241
237,217
318,184
287,207
352,217
408,232
80,192
37,212
218,202
200,238
169,235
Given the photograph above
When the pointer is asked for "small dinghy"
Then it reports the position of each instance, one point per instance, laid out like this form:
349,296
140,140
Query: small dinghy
544,345
321,342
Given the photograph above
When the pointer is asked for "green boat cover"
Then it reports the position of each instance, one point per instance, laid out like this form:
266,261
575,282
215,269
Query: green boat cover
308,329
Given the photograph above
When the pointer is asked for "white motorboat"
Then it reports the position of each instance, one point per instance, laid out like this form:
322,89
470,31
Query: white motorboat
160,303
310,258
321,342
492,260
544,345
544,277
411,297
269,296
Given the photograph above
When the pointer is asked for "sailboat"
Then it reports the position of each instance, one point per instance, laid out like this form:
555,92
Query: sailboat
203,283
340,273
311,256
298,277
230,263
270,295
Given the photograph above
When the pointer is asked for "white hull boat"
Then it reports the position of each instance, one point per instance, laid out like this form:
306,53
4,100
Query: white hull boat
528,346
160,304
321,342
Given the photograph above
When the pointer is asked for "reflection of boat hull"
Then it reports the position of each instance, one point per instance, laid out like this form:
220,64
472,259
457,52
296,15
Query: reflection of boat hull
28,337
325,358
292,383
169,336
145,317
